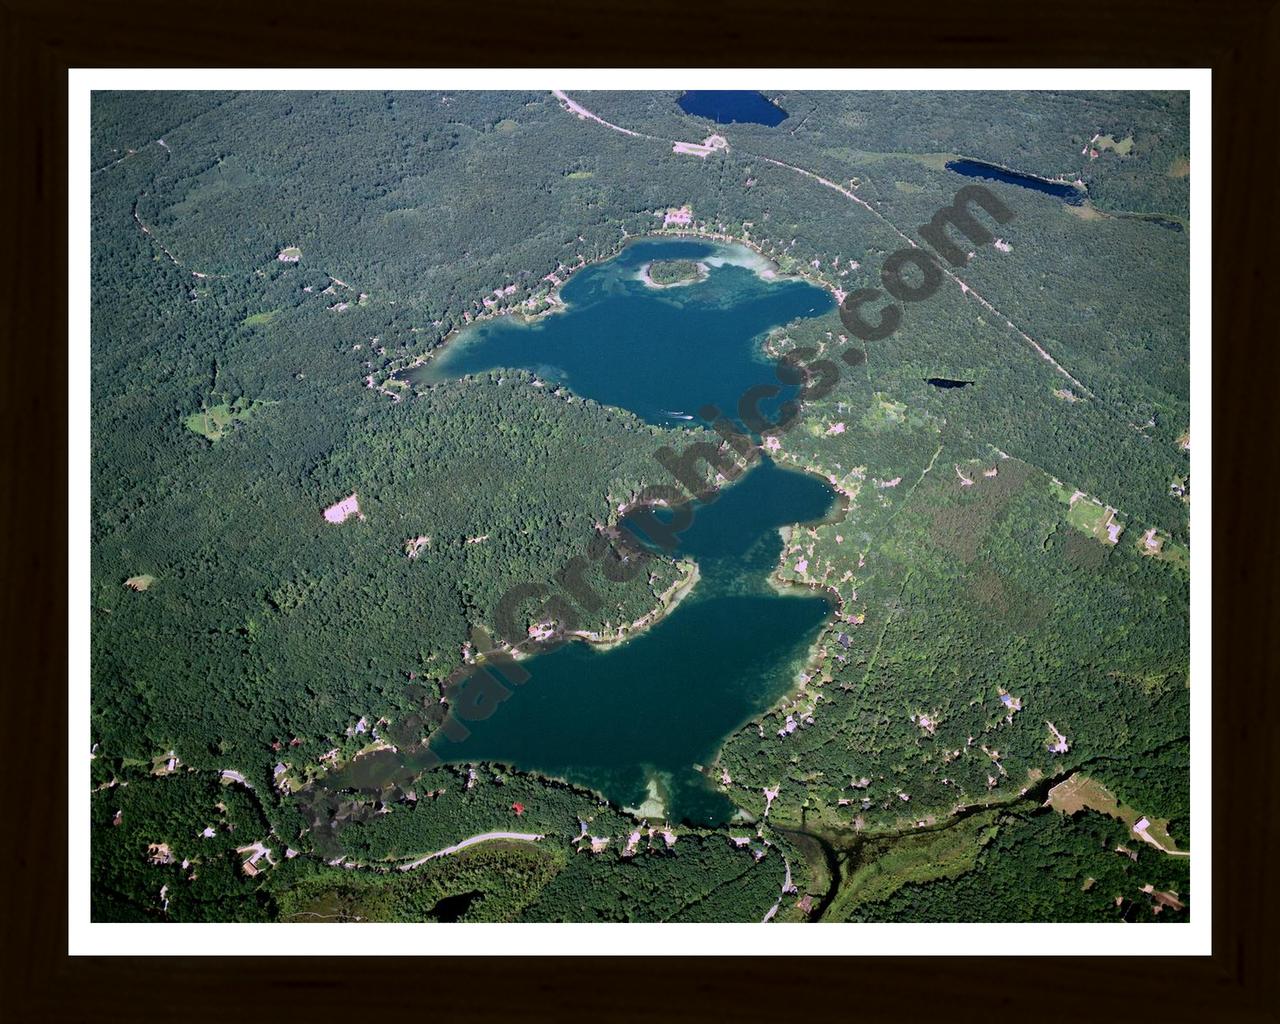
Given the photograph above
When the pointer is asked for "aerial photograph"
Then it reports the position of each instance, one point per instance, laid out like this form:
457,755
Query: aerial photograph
639,506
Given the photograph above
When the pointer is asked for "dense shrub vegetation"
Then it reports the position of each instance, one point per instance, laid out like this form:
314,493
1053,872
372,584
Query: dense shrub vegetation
265,263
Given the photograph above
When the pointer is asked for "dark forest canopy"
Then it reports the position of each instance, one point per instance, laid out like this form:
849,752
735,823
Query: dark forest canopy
264,264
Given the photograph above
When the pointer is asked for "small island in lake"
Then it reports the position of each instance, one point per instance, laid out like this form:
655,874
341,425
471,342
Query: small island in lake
668,273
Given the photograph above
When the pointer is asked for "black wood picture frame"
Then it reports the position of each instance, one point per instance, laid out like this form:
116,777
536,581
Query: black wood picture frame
41,39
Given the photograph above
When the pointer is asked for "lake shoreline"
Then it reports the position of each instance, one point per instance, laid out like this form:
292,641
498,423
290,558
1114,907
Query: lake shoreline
1061,179
668,601
808,665
771,272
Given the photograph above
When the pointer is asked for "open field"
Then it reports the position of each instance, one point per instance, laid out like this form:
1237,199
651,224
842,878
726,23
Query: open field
1099,521
213,422
1121,147
945,853
1080,792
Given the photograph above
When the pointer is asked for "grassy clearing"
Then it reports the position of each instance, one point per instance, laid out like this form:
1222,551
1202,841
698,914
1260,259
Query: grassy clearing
1080,792
580,175
884,412
1085,211
927,857
140,582
1060,490
934,161
213,422
1097,520
1180,168
258,319
1121,148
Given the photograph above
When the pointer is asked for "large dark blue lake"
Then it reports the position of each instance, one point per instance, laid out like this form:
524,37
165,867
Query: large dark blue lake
732,107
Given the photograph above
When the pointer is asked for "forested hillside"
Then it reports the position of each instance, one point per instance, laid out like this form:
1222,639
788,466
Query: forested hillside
293,547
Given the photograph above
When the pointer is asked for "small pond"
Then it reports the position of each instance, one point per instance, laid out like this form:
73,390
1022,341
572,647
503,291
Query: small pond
1059,190
732,107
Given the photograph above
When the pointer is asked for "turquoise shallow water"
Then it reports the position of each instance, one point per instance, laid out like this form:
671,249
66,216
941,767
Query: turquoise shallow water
646,712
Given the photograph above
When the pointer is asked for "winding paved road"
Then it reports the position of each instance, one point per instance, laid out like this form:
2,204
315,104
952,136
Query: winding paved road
483,837
967,289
